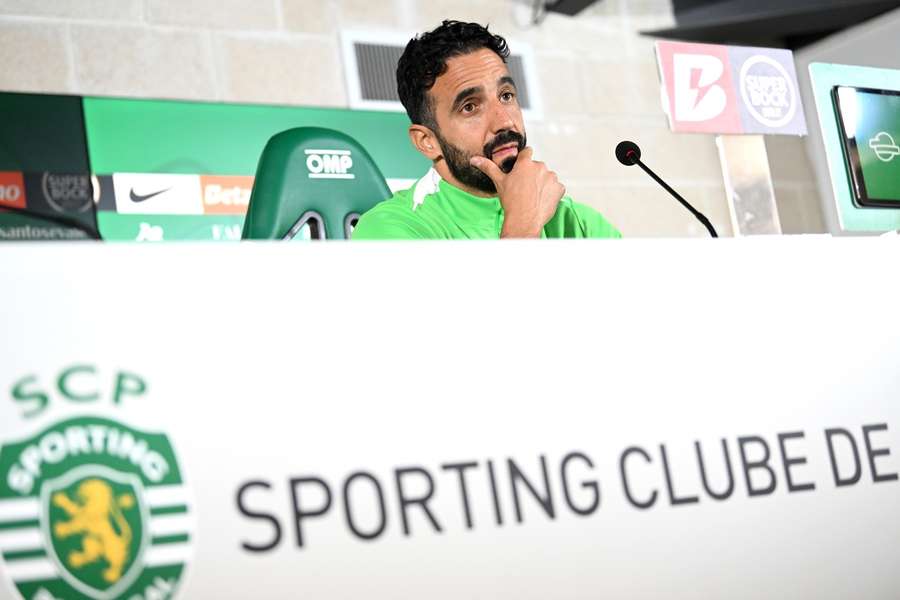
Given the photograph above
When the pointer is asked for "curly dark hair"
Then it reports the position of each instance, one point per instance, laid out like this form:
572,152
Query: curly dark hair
425,59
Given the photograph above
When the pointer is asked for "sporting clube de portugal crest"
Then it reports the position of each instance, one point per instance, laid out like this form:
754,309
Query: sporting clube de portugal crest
92,508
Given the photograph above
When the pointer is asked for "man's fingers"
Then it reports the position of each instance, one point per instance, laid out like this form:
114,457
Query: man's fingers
488,167
525,158
557,189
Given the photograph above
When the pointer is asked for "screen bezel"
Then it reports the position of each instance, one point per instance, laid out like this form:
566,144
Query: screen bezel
851,151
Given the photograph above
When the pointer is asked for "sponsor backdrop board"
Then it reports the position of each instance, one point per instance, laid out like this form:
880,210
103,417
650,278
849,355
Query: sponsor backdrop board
42,132
43,166
187,168
825,78
709,88
162,170
226,139
588,437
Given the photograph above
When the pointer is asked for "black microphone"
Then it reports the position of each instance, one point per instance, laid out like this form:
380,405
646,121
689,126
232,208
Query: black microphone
629,154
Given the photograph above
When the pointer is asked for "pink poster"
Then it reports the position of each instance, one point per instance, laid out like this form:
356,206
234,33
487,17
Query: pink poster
699,90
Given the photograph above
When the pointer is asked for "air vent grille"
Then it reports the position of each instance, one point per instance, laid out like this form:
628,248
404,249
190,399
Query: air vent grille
371,67
377,70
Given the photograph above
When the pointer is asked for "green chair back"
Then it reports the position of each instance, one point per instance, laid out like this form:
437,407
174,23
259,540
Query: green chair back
312,176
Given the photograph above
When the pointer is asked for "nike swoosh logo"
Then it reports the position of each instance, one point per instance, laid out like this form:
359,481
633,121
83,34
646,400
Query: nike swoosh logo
138,198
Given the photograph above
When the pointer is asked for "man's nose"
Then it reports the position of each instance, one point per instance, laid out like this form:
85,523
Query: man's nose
501,117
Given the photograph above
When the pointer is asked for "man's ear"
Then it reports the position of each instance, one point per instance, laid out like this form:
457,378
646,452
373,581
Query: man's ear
425,142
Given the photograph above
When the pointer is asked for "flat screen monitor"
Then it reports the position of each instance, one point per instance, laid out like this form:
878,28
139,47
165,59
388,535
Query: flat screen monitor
869,122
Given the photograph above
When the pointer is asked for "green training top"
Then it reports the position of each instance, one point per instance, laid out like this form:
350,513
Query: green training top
434,209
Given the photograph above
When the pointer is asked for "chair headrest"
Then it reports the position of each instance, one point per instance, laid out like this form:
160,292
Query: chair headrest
312,172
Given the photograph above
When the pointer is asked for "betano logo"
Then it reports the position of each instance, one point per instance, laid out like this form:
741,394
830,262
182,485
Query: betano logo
12,189
226,195
329,164
90,507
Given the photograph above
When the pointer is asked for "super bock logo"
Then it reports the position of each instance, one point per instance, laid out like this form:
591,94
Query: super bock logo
91,508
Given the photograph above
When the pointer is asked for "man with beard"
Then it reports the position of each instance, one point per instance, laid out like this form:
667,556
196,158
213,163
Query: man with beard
466,119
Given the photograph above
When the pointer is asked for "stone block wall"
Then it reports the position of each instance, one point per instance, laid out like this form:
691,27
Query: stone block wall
597,78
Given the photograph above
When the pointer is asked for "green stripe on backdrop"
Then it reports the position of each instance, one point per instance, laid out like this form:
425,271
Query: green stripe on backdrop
167,228
162,136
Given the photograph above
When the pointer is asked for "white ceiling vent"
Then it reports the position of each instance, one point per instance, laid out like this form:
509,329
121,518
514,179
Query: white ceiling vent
370,67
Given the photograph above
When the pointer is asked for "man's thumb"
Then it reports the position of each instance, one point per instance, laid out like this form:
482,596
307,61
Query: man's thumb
488,167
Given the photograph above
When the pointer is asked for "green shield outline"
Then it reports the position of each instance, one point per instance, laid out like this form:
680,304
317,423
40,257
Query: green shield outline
64,481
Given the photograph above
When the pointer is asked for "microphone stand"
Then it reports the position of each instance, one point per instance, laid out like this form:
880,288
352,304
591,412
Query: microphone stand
628,153
697,214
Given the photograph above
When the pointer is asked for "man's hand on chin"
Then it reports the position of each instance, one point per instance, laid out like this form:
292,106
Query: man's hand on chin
529,194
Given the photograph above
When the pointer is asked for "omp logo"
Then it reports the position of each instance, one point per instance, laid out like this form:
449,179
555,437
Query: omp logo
329,164
698,97
91,508
226,195
12,189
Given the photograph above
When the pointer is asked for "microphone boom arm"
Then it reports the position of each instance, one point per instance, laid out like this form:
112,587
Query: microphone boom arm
628,153
697,214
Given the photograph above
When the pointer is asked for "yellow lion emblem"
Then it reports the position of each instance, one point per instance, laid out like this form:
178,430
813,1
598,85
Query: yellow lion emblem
98,516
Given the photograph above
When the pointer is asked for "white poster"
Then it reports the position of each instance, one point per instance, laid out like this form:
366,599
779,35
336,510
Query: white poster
636,419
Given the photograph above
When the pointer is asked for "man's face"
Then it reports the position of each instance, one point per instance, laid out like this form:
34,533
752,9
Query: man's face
477,113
